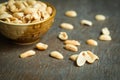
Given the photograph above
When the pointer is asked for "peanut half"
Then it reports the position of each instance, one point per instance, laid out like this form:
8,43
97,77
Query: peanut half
71,13
56,54
81,59
41,46
100,17
86,22
105,37
105,31
73,42
66,26
27,54
63,36
90,57
71,47
74,57
92,42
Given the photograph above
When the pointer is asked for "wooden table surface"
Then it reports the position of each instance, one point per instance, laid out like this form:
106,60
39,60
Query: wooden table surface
43,67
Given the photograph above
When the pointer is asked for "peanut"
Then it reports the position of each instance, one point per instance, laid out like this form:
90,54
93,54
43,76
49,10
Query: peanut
67,26
27,54
74,57
73,42
71,13
81,59
90,57
41,46
92,42
56,54
100,17
63,36
105,31
105,37
71,47
86,22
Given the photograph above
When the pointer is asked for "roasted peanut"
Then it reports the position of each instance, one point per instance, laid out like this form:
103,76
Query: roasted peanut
27,54
71,13
49,10
41,46
92,42
71,47
105,37
5,15
105,31
18,15
67,26
56,54
100,17
81,59
73,42
74,57
90,57
31,2
86,22
63,36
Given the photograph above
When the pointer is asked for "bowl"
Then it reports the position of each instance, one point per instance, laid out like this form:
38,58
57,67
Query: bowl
28,33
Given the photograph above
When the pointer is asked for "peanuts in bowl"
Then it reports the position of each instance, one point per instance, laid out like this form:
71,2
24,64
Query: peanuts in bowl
26,11
25,21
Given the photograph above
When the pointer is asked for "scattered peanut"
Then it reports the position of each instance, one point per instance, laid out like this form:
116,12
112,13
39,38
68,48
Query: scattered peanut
86,22
81,59
27,54
86,56
92,42
74,57
105,37
73,42
67,26
90,57
56,54
71,47
71,13
100,17
41,46
105,31
63,36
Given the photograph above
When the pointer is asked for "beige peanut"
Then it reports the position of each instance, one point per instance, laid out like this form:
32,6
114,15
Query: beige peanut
92,42
67,26
90,57
74,57
71,47
73,42
86,22
41,46
71,13
27,54
100,17
105,37
81,59
105,31
56,54
63,36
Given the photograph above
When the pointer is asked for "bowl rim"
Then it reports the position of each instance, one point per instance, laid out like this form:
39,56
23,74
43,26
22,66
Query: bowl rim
25,24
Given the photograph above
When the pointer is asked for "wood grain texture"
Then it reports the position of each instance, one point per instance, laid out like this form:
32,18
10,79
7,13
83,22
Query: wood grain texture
43,67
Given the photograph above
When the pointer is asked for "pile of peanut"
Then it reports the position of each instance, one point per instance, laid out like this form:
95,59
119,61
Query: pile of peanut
72,45
24,11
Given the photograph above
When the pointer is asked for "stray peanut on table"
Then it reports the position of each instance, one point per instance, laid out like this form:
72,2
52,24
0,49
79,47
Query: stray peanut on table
27,54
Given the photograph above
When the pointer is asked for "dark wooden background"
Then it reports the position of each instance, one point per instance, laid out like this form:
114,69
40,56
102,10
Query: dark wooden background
43,67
